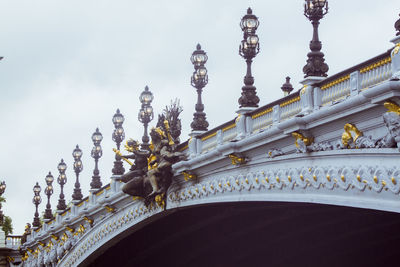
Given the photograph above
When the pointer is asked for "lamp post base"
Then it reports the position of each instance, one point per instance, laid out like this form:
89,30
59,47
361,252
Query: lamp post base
199,122
249,97
118,168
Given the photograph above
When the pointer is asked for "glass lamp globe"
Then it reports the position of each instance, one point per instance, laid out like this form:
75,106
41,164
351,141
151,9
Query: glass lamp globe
49,179
48,190
201,72
249,22
252,40
146,97
77,153
199,57
97,136
118,119
62,166
37,189
37,199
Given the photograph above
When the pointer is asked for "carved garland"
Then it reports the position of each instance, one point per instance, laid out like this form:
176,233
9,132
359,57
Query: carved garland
344,177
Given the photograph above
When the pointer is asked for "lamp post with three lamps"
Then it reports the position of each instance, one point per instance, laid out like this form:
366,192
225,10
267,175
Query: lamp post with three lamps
36,201
248,49
96,153
199,80
118,136
146,115
48,215
77,154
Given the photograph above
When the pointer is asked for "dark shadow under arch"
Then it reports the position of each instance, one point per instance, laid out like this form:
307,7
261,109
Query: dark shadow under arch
261,234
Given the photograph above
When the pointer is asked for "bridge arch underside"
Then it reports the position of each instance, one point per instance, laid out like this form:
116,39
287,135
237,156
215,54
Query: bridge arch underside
257,234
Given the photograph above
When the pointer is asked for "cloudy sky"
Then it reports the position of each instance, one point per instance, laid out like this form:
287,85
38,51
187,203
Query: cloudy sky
68,65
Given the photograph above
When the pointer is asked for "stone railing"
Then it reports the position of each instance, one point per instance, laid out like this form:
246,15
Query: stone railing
262,119
13,241
376,72
357,78
336,90
289,108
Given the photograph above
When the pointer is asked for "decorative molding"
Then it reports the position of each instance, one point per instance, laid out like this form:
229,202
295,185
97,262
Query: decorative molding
311,178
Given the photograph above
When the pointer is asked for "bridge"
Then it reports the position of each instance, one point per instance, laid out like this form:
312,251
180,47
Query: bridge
314,174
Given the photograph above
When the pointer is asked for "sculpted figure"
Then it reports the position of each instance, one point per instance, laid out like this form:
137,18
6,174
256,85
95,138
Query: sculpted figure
161,159
134,177
302,142
151,174
140,156
392,122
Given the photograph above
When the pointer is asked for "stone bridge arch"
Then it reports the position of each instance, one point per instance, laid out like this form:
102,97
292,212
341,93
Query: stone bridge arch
248,233
279,186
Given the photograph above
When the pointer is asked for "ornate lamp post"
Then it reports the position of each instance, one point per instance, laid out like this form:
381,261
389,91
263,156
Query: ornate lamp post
36,200
198,81
118,136
315,10
96,154
48,215
2,190
77,154
248,49
62,180
146,114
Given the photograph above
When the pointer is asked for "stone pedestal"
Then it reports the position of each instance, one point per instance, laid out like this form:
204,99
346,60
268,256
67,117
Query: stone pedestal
307,93
395,55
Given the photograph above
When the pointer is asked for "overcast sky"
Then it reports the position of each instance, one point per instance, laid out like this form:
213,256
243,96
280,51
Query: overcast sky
68,65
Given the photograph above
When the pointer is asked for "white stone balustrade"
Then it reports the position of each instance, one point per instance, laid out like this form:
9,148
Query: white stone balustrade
13,241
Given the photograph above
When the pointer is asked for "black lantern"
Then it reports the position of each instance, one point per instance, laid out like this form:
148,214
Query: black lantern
77,154
62,180
96,154
248,49
36,201
199,80
315,10
48,215
118,136
146,115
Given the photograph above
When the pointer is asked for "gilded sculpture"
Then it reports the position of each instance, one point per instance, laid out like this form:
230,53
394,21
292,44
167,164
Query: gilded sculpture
151,173
301,141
